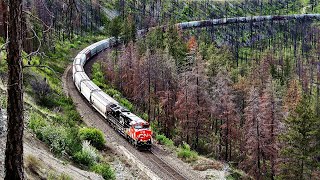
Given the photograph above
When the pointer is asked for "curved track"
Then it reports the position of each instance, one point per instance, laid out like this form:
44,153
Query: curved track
151,159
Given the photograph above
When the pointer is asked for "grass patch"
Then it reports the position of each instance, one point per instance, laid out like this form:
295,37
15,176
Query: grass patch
104,170
33,164
54,176
162,139
186,154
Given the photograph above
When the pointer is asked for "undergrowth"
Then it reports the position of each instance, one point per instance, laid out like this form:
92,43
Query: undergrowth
94,136
186,154
57,122
162,139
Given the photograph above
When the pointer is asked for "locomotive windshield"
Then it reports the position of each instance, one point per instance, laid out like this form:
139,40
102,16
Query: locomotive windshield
139,126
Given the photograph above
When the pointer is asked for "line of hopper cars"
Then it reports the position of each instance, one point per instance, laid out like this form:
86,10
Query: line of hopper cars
133,128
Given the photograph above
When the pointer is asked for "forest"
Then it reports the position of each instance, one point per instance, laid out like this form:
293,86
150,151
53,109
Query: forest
246,94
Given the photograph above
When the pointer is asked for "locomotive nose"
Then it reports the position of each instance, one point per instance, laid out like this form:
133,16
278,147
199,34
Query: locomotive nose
144,135
144,139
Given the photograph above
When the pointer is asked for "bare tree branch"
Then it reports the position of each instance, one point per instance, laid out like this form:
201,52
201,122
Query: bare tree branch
31,15
50,13
38,49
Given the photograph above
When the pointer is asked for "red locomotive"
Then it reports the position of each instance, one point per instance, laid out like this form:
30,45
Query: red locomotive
132,127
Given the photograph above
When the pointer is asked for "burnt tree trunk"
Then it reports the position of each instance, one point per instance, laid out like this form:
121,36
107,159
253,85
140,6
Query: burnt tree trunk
4,12
14,146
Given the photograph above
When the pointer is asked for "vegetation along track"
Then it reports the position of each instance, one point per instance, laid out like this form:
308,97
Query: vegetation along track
151,159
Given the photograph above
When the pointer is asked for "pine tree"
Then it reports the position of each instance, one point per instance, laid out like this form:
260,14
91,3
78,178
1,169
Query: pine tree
177,48
300,142
262,123
115,27
14,145
128,30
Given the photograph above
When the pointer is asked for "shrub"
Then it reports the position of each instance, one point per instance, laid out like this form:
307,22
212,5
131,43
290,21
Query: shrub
87,156
104,170
73,116
154,126
97,75
74,141
72,46
41,89
126,103
3,99
55,137
186,153
65,101
237,174
162,139
95,136
145,116
36,123
112,92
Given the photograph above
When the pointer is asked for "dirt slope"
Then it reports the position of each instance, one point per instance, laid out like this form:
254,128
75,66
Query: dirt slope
39,162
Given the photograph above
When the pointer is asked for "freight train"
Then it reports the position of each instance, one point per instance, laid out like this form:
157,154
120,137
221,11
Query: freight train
133,128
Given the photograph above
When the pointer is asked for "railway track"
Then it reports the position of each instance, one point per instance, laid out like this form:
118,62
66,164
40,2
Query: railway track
174,174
